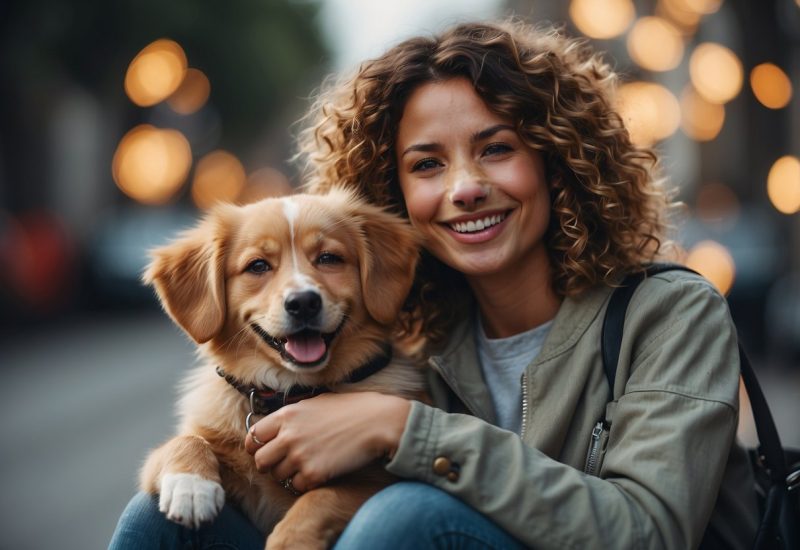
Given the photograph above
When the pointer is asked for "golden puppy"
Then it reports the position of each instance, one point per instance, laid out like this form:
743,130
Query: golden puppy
286,298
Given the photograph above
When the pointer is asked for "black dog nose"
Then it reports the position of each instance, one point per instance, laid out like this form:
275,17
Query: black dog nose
303,305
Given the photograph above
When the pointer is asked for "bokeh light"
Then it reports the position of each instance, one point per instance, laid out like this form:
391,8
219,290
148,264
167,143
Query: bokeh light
716,72
702,7
771,86
151,164
783,184
650,111
264,183
655,44
716,203
155,73
602,18
192,94
701,120
677,12
218,177
39,258
714,262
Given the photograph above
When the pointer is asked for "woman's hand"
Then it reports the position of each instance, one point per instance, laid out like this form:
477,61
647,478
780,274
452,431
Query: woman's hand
326,436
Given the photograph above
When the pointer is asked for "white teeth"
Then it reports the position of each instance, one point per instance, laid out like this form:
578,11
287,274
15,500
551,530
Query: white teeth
477,225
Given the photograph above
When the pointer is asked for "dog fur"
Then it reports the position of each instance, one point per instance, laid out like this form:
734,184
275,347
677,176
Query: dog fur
238,267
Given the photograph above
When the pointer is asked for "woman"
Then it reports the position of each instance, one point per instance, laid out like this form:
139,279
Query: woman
500,144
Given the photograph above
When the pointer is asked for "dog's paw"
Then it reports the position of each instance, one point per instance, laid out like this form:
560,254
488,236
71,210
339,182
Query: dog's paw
189,499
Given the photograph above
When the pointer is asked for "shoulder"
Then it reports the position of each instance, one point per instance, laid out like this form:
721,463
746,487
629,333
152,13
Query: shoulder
677,297
679,337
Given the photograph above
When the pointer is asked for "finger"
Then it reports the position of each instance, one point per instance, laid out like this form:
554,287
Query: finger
298,483
269,455
283,469
262,431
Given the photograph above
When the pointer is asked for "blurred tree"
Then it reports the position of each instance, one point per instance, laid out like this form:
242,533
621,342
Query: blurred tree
257,56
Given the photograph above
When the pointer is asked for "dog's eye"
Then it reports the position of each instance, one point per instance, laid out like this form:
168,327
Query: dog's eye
258,266
329,258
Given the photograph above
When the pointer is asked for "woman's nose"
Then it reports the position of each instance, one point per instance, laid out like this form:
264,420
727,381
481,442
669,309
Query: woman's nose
468,192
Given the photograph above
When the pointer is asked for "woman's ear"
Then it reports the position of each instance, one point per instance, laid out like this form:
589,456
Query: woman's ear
188,275
387,261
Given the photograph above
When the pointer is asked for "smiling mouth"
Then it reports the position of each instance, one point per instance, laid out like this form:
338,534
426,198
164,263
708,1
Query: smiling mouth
480,224
305,348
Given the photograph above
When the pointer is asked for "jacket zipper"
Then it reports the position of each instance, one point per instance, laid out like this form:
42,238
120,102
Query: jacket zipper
524,405
595,448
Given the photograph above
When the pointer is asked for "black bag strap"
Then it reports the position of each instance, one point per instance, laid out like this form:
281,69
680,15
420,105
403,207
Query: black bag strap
770,447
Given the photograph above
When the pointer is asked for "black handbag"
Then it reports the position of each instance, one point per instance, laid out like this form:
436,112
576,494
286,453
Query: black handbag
777,471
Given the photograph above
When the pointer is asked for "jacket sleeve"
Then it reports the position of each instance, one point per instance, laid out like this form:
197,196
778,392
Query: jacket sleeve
672,431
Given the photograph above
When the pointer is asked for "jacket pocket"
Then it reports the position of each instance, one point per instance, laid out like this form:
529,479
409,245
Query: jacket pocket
597,448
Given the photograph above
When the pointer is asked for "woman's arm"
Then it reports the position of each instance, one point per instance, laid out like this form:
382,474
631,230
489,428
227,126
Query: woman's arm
327,436
668,448
667,451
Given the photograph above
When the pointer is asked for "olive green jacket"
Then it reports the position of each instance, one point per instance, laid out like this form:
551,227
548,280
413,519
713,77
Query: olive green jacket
670,463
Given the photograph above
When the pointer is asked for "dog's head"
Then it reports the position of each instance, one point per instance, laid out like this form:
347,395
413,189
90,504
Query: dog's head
302,282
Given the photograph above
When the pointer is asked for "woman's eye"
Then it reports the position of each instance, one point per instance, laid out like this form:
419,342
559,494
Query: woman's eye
258,266
496,149
425,164
328,258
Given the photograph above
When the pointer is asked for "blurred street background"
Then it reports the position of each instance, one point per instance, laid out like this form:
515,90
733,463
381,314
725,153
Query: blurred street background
121,122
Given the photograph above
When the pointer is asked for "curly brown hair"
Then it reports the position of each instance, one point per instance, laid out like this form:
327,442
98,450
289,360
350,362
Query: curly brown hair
609,206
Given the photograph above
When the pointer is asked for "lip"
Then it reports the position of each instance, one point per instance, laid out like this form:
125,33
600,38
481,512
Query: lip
278,344
478,236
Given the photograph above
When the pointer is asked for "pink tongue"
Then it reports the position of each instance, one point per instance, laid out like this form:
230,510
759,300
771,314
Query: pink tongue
305,347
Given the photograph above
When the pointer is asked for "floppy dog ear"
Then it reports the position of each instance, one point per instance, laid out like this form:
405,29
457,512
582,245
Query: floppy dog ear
387,262
189,279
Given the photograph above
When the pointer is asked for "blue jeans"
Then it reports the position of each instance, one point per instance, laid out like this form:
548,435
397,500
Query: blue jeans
406,515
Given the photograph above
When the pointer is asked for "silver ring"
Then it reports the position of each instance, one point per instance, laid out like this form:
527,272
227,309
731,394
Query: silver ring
287,484
255,439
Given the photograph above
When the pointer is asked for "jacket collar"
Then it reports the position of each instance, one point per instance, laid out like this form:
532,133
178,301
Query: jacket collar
458,364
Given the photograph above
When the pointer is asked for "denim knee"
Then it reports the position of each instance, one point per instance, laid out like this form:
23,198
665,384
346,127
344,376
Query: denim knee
416,515
143,526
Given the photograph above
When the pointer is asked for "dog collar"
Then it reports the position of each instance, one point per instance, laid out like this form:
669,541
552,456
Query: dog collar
265,400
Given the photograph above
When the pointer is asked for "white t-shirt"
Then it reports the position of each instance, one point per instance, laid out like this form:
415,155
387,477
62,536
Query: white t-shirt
503,360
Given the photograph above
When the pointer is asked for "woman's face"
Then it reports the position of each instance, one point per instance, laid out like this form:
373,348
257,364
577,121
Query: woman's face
471,186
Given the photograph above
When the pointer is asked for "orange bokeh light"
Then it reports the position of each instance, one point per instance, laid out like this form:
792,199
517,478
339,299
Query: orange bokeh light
151,164
218,177
265,183
701,120
771,86
602,18
714,262
650,111
655,44
716,72
192,94
783,184
155,73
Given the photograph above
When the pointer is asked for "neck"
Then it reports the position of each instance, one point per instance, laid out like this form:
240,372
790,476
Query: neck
517,300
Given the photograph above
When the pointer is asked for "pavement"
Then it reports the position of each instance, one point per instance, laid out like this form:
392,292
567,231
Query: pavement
83,402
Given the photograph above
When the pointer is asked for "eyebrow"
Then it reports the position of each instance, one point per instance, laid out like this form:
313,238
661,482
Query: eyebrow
477,136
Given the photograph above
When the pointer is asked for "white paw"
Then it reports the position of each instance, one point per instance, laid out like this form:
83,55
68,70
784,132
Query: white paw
189,499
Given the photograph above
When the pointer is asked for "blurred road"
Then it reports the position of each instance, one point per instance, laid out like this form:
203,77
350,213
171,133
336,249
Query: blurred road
81,404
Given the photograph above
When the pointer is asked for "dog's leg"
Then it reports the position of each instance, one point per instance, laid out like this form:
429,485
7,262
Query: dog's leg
318,517
184,472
